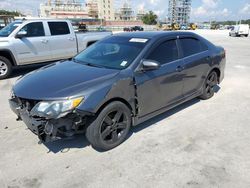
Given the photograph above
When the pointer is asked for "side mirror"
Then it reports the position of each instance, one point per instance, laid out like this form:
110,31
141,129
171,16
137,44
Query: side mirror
148,65
21,34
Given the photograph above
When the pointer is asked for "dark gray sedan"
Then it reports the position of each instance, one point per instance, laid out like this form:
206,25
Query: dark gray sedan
117,83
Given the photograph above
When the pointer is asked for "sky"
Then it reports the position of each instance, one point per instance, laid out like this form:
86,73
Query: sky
202,10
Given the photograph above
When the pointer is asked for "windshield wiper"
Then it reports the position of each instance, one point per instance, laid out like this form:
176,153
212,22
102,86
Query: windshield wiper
88,64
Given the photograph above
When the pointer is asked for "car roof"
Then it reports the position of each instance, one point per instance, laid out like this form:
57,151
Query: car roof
153,34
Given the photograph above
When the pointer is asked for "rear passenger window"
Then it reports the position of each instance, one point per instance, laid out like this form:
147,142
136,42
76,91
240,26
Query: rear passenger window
165,53
191,46
59,28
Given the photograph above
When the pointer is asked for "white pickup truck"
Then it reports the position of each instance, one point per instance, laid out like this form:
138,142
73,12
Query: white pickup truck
37,41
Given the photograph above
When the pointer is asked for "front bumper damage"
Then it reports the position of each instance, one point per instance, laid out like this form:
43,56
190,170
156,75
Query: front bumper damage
49,130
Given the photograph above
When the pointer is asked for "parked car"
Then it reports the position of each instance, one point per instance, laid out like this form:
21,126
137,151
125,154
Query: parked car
116,83
127,29
240,30
34,41
137,28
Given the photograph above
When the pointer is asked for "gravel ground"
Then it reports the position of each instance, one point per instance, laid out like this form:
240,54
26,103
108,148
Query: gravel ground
198,144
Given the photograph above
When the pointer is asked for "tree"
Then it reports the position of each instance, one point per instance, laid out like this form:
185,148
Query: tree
150,18
10,13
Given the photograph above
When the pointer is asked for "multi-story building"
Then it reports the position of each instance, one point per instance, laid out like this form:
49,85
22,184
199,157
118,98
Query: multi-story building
179,11
63,9
106,9
102,9
125,13
140,14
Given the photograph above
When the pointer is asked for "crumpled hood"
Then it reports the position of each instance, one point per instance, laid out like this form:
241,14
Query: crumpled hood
61,80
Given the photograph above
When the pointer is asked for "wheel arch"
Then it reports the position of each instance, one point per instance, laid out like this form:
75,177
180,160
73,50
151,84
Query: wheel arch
113,100
8,54
218,72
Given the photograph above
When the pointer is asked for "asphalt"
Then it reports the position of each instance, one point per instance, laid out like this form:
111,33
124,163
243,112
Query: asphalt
198,144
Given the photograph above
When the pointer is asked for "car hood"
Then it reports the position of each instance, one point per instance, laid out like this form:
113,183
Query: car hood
61,80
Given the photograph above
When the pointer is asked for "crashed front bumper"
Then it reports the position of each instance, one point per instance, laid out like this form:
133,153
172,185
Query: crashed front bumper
48,130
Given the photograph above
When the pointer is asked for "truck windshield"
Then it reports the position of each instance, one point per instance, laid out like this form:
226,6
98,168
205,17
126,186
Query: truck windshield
6,31
115,52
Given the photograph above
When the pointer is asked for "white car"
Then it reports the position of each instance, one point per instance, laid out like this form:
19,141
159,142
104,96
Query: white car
240,30
27,42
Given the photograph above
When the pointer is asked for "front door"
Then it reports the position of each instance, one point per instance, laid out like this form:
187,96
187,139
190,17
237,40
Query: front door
34,46
159,88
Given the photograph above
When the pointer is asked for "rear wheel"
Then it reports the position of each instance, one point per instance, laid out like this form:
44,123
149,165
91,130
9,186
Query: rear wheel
210,83
5,67
246,35
111,126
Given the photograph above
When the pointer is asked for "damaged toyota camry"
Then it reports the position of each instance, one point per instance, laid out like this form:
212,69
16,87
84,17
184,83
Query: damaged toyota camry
118,82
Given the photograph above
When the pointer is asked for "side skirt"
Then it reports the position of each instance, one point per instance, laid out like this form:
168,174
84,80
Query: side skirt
139,120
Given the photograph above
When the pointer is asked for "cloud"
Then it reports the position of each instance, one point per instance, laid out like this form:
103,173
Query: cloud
246,9
210,3
25,6
210,10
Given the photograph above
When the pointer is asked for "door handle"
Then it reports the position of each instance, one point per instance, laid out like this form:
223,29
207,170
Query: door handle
44,41
179,68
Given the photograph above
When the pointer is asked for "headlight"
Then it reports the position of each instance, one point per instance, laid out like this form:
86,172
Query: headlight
55,109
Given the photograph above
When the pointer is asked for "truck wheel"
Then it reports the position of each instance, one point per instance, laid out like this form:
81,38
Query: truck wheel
5,67
246,35
111,126
208,88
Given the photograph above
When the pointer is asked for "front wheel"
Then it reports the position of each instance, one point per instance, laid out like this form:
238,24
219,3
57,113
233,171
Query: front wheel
111,126
210,83
5,68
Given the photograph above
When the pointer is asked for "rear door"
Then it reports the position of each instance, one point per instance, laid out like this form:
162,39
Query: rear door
196,64
158,88
34,47
62,40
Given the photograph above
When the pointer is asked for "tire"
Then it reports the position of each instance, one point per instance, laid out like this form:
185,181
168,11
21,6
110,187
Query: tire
110,128
5,68
246,35
208,87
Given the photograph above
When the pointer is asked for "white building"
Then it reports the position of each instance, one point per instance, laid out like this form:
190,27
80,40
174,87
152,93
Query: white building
179,11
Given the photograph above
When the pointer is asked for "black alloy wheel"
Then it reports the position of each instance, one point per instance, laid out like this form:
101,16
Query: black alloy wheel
110,128
113,126
210,83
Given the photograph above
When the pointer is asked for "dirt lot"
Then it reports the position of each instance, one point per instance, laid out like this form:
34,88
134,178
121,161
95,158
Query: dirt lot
199,144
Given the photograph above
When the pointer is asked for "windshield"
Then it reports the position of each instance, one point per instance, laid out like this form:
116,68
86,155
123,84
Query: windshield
115,52
6,31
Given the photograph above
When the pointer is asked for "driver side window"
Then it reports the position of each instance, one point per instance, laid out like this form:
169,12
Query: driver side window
34,29
165,52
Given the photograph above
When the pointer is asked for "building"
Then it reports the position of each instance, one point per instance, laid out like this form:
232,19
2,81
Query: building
63,9
101,9
140,14
92,7
179,11
106,9
125,13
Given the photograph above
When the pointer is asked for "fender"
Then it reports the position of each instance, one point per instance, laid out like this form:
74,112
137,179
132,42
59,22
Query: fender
123,90
13,60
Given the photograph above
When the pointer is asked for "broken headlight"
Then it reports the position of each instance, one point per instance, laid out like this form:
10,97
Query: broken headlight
55,109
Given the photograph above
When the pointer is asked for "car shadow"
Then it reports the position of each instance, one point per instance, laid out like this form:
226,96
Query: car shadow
64,145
